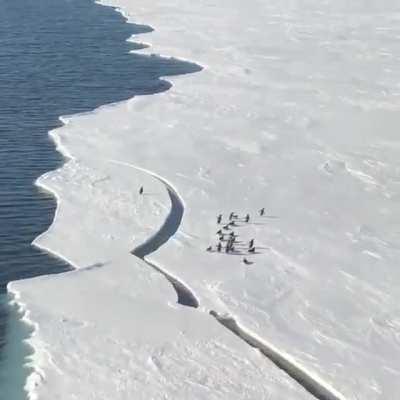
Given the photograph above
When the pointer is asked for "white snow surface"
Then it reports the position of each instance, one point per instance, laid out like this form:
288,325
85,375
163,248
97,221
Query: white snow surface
296,110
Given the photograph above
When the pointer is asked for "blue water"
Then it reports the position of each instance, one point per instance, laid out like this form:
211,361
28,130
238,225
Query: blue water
57,57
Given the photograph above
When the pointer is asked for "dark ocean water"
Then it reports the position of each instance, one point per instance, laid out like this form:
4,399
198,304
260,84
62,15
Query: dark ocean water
57,57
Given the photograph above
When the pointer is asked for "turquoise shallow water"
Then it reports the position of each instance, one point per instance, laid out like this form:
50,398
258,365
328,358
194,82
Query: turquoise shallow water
57,57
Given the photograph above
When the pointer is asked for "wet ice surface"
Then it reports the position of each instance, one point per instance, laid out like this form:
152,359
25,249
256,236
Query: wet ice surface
296,111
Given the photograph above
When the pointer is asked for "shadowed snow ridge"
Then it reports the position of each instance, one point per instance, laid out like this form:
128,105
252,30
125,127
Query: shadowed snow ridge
168,228
185,295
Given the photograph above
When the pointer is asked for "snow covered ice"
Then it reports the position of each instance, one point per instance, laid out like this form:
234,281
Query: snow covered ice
296,110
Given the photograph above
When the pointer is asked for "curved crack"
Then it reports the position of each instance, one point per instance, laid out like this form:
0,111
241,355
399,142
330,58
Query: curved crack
185,295
168,229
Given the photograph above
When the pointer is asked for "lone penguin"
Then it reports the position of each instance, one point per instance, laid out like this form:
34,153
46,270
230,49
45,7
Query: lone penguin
247,218
141,190
219,218
262,211
251,243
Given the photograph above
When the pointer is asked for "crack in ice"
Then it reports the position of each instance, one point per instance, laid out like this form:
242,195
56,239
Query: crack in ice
168,229
311,383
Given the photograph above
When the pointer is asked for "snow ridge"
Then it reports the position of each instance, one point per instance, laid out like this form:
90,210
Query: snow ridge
185,295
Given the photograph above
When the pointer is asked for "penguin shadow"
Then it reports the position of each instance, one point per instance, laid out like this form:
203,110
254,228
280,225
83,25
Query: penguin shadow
242,246
92,267
150,194
241,252
236,226
226,238
241,225
264,217
245,250
263,248
237,219
229,253
235,253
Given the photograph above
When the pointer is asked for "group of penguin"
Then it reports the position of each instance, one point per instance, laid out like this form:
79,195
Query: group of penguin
230,238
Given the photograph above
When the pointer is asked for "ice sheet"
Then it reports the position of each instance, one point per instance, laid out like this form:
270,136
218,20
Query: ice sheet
296,111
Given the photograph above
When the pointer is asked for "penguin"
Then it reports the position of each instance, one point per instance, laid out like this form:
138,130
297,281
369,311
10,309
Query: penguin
219,247
231,216
219,232
141,190
247,218
251,243
262,211
219,218
209,248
